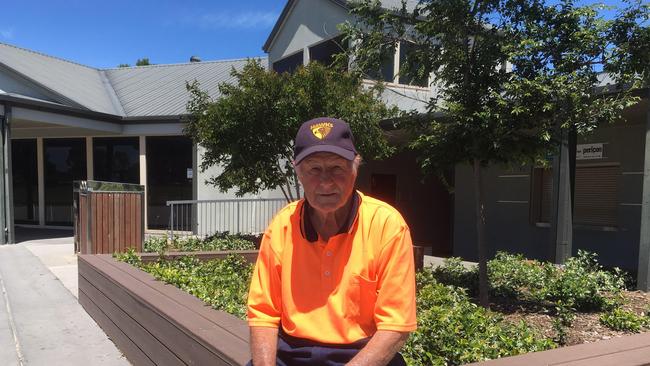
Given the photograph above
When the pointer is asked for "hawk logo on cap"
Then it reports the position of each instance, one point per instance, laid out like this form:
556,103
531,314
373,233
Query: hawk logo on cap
321,130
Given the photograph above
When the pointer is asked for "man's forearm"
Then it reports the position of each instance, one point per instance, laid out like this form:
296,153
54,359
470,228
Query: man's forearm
380,349
264,343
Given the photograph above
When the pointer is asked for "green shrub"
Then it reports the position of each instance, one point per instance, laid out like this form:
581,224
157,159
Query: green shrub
624,320
452,272
453,331
512,275
130,257
155,244
584,284
221,241
221,283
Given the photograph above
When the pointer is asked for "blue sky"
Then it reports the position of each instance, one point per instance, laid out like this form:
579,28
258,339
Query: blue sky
106,33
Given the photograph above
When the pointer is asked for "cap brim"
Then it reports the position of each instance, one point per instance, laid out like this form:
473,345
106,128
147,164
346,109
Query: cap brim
344,153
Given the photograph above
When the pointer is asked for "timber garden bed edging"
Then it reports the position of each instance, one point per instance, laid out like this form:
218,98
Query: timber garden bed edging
154,323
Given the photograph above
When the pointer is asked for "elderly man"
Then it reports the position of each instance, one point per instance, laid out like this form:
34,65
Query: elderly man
334,282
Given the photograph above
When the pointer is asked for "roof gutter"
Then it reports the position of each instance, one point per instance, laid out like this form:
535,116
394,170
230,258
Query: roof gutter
83,113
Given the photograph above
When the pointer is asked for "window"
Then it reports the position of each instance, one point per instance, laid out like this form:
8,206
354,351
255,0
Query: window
595,198
596,195
325,52
116,159
411,79
288,64
25,181
386,70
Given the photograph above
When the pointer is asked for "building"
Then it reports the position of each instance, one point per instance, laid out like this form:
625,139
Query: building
63,121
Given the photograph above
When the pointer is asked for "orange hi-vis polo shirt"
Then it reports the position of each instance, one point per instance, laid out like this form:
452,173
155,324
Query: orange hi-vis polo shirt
340,291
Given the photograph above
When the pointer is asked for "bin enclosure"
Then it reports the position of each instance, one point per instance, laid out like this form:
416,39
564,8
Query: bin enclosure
108,217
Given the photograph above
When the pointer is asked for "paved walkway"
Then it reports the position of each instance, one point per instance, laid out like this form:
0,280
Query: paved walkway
41,322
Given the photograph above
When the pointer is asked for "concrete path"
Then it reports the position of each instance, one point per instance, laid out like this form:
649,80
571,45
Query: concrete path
41,322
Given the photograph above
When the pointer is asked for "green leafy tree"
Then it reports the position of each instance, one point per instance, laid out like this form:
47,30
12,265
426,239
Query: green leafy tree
510,76
142,62
249,129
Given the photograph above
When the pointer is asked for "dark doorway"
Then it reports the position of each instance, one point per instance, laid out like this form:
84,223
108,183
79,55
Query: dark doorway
24,170
169,176
64,161
384,187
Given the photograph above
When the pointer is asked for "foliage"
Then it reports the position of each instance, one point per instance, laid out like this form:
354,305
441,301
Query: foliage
453,331
624,320
130,257
142,62
223,284
453,272
156,244
249,129
216,242
511,76
581,284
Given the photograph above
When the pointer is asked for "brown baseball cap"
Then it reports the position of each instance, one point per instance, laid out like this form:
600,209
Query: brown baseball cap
324,134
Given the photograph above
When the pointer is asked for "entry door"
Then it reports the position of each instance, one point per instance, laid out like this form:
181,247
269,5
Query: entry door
384,187
169,177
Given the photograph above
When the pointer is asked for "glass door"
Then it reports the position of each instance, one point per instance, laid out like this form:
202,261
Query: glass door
64,161
24,170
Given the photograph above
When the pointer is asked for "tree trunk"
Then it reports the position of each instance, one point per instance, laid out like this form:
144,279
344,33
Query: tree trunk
480,231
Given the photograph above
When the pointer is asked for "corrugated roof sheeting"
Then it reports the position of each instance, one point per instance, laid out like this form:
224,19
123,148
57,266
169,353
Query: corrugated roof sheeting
160,89
80,84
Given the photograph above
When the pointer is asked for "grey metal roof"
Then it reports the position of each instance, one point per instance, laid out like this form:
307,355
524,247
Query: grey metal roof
386,4
75,84
131,92
159,90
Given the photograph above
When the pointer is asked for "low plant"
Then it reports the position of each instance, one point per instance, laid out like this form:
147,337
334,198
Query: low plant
512,275
156,244
584,283
453,272
221,283
221,241
625,320
453,331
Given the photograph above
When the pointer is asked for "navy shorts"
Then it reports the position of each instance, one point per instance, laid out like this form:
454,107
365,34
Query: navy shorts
297,351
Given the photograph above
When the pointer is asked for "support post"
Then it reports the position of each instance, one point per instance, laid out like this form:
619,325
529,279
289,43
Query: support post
643,273
8,178
562,216
3,197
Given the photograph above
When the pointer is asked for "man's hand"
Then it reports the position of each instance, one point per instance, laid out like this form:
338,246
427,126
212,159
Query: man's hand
380,349
264,343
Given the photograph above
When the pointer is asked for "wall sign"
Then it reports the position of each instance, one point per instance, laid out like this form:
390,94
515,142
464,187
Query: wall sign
589,151
190,173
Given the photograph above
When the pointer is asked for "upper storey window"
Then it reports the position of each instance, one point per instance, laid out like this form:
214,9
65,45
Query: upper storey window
325,52
288,64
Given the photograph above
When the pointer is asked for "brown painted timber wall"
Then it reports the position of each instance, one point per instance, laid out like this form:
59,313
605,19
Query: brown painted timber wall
153,323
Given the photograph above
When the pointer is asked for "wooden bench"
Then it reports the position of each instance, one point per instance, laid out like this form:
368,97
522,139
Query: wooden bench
154,323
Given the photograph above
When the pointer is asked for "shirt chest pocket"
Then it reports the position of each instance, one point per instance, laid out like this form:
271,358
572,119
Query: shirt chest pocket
360,300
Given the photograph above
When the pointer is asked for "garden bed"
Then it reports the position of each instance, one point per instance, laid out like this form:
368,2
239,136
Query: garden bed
535,306
153,323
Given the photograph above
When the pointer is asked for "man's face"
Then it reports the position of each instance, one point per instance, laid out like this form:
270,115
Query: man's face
328,180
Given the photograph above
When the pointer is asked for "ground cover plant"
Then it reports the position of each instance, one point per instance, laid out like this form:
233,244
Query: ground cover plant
575,303
218,241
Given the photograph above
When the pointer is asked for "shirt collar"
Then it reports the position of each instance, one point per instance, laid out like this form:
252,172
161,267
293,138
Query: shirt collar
307,228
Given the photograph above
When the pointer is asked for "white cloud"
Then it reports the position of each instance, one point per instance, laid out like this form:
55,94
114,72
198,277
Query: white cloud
7,33
246,20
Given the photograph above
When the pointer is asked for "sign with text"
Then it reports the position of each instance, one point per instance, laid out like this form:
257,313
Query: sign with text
589,151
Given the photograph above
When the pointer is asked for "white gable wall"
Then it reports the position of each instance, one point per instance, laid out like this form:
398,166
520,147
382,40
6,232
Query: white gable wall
12,83
308,22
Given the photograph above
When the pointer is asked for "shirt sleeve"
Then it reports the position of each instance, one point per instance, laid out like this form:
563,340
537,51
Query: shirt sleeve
395,306
264,296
